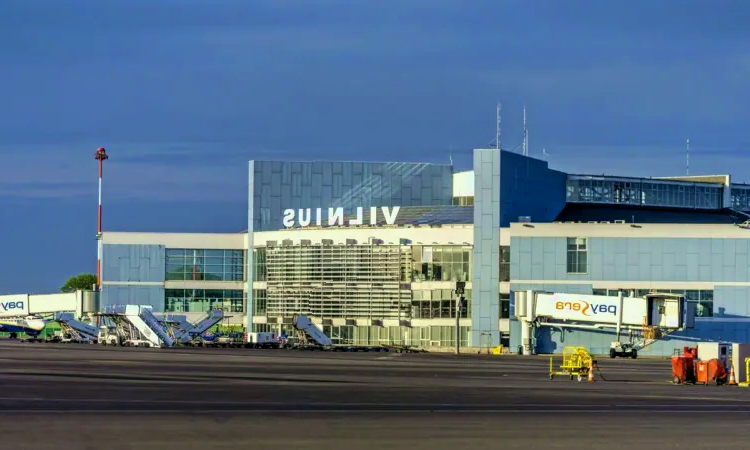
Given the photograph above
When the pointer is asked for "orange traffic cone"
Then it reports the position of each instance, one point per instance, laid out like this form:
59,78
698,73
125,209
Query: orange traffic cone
591,371
732,380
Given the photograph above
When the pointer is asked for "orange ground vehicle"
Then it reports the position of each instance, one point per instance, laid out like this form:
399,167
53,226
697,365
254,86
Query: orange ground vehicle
711,371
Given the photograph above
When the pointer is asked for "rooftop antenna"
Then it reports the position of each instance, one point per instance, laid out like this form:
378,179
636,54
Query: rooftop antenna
525,134
498,115
687,155
450,155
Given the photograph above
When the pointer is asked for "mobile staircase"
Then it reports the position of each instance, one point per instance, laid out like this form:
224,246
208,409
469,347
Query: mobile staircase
138,323
311,337
186,332
78,331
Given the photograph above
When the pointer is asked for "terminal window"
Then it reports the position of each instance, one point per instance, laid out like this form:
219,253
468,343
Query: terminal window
200,264
202,300
441,263
577,255
504,263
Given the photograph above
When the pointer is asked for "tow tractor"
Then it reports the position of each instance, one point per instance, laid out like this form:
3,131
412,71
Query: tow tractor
624,349
646,319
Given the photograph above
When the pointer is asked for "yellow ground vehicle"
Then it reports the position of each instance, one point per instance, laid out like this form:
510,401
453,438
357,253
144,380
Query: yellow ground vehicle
576,362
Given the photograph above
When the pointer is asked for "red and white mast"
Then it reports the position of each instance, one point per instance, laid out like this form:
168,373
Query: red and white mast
101,155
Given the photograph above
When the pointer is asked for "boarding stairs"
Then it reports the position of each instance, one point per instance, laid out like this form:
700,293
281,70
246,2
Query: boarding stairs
154,326
192,331
311,331
140,318
80,330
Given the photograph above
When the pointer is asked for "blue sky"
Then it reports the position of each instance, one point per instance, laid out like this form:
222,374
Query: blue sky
183,93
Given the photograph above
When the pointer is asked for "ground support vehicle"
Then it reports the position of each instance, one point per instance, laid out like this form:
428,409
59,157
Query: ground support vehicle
75,331
262,340
575,362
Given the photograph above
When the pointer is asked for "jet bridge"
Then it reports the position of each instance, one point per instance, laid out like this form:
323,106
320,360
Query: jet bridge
646,319
79,331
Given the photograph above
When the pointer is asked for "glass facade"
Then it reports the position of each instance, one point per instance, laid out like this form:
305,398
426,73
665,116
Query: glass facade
337,281
260,303
463,201
504,264
438,304
644,192
741,198
202,300
260,273
441,263
427,336
208,265
280,185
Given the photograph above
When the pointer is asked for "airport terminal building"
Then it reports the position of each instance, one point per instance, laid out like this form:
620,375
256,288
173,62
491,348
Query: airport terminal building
372,251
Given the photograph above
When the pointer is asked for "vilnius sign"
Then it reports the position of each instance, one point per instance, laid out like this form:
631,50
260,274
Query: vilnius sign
314,216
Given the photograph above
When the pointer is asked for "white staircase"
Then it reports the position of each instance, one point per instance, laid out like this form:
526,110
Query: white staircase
149,327
303,323
191,331
81,330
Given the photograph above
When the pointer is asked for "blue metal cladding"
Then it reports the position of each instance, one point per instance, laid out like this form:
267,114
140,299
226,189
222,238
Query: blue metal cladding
530,188
643,263
634,259
485,309
133,295
276,186
130,265
133,263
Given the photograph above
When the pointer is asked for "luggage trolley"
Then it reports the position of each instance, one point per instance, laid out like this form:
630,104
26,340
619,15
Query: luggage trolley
576,362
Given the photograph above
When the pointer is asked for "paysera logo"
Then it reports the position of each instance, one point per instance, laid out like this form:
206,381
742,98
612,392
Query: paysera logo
586,308
11,305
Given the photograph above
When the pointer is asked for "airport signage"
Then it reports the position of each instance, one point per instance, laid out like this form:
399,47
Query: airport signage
305,217
14,305
587,309
591,308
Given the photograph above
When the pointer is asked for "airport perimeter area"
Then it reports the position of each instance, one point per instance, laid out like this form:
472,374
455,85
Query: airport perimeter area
86,396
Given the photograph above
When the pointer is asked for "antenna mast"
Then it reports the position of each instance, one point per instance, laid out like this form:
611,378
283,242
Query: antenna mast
687,155
101,155
498,115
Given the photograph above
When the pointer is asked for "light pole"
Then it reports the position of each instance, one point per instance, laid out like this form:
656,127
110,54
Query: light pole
460,285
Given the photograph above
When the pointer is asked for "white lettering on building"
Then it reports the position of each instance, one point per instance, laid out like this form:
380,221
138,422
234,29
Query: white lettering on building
305,216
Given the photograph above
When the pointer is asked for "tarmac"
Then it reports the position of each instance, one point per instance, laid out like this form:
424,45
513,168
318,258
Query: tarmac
89,397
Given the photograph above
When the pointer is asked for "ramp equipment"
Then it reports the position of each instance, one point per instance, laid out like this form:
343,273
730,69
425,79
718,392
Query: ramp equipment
309,333
137,326
142,317
311,337
77,330
576,362
187,332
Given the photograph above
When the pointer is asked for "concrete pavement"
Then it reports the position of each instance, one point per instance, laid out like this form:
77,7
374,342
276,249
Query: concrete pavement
222,398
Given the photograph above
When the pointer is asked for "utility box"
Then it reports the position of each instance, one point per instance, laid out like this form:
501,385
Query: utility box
739,353
715,350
